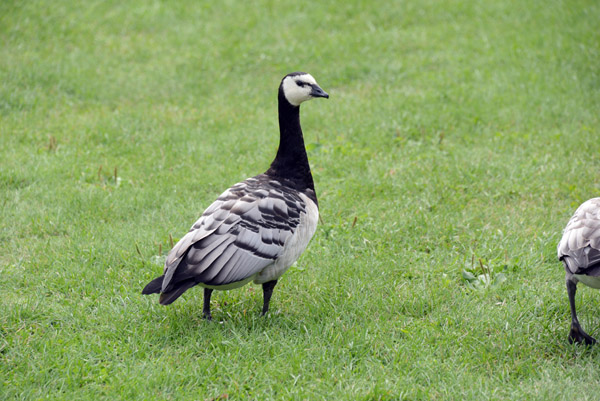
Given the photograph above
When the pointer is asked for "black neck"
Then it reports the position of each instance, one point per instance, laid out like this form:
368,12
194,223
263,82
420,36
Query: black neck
291,161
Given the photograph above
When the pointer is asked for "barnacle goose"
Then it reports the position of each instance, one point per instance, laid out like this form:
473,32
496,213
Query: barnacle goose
257,228
579,250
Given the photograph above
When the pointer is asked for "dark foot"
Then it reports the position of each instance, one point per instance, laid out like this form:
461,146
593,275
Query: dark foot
206,309
267,292
578,336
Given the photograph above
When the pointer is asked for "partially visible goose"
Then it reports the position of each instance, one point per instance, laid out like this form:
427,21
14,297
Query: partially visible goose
579,250
257,228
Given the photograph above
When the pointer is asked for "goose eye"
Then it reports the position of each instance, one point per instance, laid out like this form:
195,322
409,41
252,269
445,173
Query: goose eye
301,83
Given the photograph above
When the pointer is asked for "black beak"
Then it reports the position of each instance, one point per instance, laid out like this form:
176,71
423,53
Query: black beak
318,92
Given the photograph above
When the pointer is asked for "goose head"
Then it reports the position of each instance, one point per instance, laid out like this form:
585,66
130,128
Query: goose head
298,87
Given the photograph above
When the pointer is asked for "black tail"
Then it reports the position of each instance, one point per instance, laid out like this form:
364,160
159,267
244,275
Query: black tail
154,286
168,297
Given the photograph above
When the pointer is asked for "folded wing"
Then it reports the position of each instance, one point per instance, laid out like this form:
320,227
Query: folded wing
580,243
239,235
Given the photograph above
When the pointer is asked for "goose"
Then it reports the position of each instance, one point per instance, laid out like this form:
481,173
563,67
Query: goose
259,227
579,250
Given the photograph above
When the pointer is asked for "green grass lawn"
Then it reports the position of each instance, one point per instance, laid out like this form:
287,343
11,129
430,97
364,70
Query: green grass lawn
458,140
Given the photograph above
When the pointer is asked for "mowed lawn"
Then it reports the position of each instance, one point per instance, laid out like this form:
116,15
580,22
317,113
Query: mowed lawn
459,138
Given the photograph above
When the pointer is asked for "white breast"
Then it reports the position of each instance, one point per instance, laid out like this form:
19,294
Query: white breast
295,245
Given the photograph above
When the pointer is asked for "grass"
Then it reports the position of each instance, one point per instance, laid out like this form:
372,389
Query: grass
459,136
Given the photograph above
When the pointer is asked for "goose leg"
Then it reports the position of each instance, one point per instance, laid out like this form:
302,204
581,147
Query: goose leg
267,292
206,307
576,335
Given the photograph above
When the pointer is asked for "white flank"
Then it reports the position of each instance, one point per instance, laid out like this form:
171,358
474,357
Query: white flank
295,245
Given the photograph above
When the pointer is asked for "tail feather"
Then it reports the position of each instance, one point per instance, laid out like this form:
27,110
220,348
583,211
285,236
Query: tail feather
154,286
168,297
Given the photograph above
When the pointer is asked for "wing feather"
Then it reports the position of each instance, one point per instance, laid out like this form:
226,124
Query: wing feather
580,242
238,235
208,258
200,250
218,265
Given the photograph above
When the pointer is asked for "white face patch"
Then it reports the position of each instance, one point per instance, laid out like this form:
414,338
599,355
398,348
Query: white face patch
297,89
